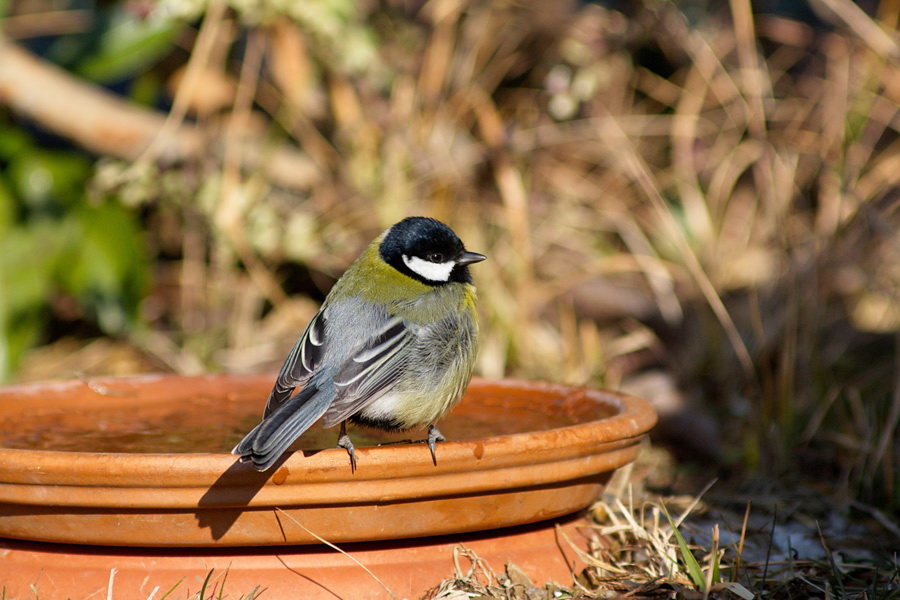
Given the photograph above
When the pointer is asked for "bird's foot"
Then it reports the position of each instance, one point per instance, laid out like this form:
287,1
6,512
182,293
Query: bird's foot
345,443
434,436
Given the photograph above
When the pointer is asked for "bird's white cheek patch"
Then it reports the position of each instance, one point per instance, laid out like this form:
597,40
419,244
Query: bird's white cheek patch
429,270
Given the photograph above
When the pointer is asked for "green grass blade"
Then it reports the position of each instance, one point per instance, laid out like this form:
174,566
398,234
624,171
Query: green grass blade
222,585
205,584
172,589
693,567
715,571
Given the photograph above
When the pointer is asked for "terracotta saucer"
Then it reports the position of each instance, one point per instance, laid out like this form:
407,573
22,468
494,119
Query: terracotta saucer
518,453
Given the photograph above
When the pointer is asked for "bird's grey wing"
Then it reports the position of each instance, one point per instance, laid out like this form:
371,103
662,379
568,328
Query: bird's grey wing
373,367
300,364
271,438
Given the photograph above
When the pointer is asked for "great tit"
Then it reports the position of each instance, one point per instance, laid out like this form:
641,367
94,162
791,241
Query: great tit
392,347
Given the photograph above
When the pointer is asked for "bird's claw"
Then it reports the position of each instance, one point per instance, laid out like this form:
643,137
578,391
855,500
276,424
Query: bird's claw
434,436
345,443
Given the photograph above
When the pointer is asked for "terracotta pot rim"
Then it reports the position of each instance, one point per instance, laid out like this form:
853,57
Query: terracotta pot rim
212,499
183,480
634,419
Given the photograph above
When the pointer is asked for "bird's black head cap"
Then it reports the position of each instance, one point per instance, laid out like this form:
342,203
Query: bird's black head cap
428,251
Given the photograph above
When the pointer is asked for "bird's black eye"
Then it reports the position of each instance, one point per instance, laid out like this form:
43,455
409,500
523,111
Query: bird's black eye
436,257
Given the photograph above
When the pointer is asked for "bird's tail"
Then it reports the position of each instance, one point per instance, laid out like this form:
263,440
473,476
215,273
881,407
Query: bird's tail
268,440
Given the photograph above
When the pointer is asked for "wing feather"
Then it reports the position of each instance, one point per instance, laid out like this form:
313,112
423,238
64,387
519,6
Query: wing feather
303,360
371,370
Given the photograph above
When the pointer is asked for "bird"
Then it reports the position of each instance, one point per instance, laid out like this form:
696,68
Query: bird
393,346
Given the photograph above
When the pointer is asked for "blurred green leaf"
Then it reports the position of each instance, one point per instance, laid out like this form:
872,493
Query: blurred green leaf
8,208
28,261
145,88
13,141
54,240
105,267
20,332
44,179
124,44
28,257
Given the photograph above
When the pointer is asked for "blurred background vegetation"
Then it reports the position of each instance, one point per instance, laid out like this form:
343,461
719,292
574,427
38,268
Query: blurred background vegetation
697,202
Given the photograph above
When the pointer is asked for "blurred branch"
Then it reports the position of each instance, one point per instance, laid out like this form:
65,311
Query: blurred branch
868,31
106,124
229,214
56,22
209,31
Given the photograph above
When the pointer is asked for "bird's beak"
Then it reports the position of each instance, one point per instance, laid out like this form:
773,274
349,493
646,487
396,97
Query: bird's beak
470,257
